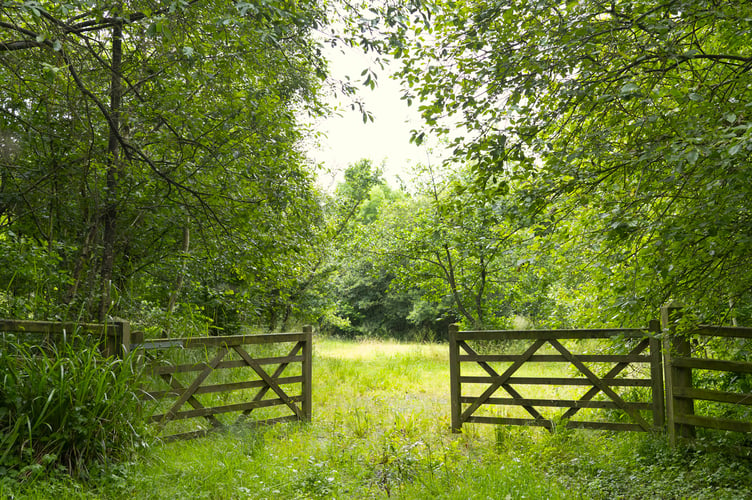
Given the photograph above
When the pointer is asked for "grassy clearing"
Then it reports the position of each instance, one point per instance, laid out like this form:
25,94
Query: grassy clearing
381,430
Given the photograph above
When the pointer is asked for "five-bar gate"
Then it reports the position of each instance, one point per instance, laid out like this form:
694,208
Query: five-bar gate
628,384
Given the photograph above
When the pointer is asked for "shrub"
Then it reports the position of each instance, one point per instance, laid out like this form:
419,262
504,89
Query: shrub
65,408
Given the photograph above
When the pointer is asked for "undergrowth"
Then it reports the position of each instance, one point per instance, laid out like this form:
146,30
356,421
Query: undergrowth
65,409
381,430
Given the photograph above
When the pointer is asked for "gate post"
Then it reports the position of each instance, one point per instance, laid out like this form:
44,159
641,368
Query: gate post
656,376
454,378
307,384
677,377
117,338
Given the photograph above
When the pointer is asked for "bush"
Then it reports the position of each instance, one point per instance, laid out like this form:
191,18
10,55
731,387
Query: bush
65,408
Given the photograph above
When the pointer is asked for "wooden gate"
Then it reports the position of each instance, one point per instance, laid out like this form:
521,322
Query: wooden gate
217,381
640,367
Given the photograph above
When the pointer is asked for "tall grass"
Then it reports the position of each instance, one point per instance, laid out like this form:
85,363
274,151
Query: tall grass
381,430
64,407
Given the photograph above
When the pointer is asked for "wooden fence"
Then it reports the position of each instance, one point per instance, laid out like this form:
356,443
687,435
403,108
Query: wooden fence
218,378
685,356
115,336
658,355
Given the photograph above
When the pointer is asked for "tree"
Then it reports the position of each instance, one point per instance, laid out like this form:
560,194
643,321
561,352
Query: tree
459,246
623,124
145,141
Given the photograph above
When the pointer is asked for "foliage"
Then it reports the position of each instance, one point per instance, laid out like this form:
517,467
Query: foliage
623,125
461,250
65,407
156,148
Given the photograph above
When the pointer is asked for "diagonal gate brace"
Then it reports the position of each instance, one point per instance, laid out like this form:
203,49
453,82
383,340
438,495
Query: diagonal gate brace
269,381
507,387
502,380
599,383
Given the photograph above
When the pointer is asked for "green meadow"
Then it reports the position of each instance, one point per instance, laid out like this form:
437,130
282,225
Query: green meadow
381,429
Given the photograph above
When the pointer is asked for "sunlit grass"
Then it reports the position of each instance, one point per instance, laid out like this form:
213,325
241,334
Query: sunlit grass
381,429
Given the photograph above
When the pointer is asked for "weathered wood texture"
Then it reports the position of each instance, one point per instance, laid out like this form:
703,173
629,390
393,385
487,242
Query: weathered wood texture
679,363
258,380
115,336
645,353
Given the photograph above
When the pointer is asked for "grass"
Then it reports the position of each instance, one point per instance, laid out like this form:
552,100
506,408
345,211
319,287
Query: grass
381,430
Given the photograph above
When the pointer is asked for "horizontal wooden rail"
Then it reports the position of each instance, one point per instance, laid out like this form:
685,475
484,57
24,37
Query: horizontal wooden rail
571,424
598,333
735,398
197,367
230,387
712,364
557,403
218,410
723,331
723,424
57,327
227,340
616,382
556,358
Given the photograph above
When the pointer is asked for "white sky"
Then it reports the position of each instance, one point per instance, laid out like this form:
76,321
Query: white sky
385,141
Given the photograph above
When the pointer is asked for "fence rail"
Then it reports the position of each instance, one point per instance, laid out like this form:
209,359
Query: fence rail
116,335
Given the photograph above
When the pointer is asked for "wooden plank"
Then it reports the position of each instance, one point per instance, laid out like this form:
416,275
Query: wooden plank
307,370
233,340
735,398
208,389
217,410
656,376
239,363
725,424
712,364
723,331
530,422
554,358
606,426
558,403
571,424
56,327
596,333
617,382
636,417
499,381
455,387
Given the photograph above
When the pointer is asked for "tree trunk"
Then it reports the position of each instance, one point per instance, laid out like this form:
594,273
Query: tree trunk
181,276
113,164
